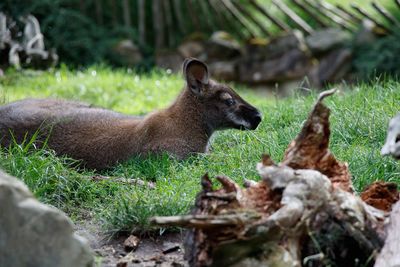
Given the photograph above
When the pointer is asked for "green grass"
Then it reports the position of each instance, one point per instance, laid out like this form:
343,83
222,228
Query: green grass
358,122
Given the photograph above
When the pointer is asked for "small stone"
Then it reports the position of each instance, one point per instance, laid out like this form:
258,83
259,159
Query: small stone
129,258
122,264
331,68
169,247
191,48
122,180
224,70
222,46
291,65
169,60
98,178
128,53
366,34
327,39
131,243
275,47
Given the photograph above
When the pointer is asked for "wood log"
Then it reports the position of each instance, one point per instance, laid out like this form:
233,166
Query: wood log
324,9
251,18
333,11
229,22
386,14
397,3
238,17
390,253
364,14
311,13
280,24
301,213
348,13
293,16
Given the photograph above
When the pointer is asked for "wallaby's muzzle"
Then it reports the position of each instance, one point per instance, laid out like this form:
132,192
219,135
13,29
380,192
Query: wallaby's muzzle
250,117
255,120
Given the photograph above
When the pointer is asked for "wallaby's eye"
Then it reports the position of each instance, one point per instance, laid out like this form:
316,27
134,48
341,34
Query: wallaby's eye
230,102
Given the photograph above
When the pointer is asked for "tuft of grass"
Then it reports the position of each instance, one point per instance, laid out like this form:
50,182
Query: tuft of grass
359,117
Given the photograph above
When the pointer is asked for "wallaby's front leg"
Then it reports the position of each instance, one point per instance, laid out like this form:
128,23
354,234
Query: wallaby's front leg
176,147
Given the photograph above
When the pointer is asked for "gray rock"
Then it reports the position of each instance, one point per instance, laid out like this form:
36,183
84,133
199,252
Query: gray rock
127,53
222,46
276,47
169,60
327,39
224,70
34,234
291,65
192,48
366,34
332,67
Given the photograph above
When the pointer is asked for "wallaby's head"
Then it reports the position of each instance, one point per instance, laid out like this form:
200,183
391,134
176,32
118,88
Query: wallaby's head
222,107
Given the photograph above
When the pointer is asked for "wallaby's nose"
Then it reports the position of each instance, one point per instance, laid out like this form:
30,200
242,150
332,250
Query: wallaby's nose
255,121
251,115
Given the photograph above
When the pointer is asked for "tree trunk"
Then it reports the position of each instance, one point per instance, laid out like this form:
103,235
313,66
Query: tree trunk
99,12
142,22
114,19
158,23
127,13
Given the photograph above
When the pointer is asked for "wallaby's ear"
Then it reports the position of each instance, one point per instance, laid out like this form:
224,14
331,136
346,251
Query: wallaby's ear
196,74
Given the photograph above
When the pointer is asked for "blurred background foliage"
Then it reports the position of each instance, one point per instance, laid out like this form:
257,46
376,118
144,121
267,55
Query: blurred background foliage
379,58
84,32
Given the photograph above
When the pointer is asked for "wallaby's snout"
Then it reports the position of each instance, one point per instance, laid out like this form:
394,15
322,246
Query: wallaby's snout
244,117
250,115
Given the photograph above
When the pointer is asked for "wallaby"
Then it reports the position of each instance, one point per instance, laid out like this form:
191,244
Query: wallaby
101,138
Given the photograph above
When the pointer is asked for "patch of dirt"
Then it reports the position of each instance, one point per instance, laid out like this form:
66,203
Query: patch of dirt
164,250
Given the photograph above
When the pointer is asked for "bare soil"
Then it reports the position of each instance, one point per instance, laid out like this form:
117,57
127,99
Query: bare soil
161,250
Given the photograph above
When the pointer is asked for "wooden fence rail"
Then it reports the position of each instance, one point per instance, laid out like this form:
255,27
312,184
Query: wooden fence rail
172,20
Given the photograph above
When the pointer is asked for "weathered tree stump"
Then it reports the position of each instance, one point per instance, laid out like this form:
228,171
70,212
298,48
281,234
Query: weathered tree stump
301,213
390,254
392,145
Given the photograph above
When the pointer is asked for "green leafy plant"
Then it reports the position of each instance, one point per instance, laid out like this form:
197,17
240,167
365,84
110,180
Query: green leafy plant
378,58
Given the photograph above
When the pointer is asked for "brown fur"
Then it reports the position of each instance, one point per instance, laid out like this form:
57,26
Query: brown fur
101,137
